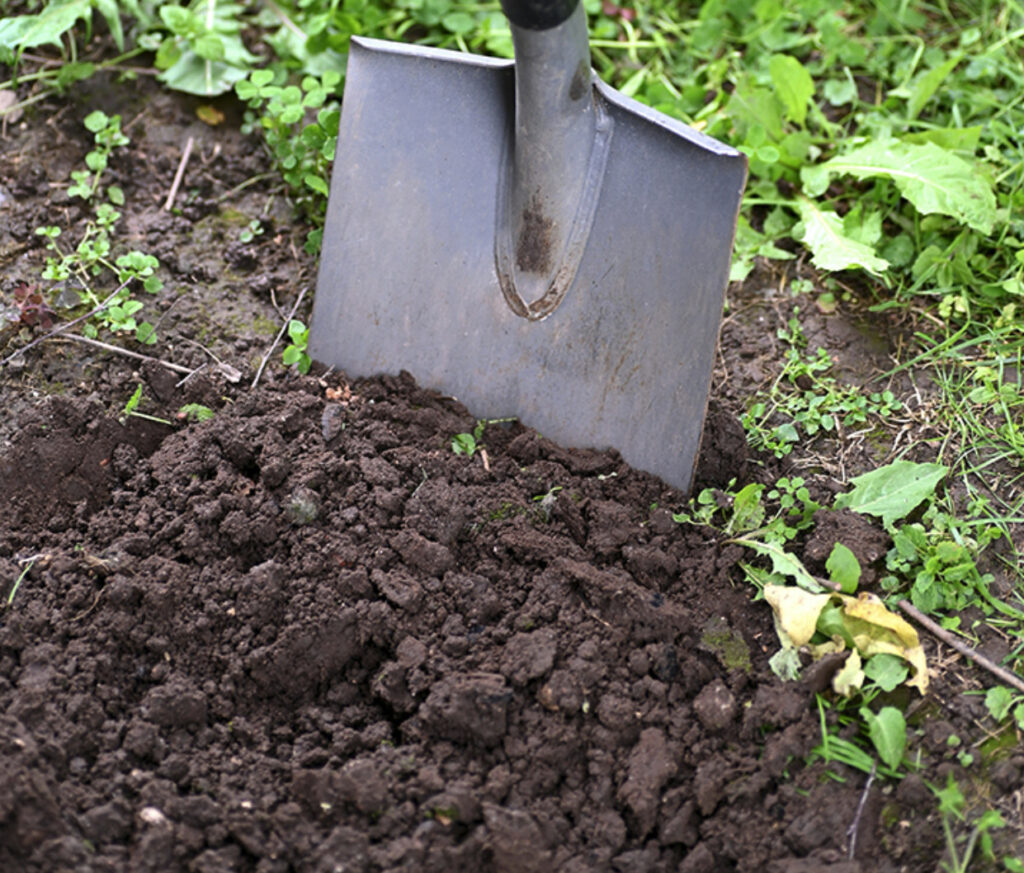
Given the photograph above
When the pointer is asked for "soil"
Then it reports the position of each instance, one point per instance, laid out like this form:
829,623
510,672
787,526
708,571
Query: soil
306,636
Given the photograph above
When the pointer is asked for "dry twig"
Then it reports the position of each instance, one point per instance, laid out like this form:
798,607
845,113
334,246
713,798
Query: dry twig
63,328
854,828
179,174
1000,673
277,339
107,347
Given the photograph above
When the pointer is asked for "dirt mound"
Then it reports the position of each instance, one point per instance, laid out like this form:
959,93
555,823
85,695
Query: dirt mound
306,635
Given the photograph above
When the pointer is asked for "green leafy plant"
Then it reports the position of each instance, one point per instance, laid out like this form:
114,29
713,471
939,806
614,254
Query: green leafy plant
195,412
881,752
1001,702
107,135
55,20
805,400
952,805
300,127
252,230
76,271
469,444
131,408
465,444
203,53
295,353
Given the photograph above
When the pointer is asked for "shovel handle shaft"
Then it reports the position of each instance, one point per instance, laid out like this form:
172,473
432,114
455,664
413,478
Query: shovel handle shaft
538,14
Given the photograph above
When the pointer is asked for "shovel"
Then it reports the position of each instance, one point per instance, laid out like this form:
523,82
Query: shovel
527,239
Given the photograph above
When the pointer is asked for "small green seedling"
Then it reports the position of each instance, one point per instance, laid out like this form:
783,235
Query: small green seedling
951,807
469,444
107,135
18,581
131,409
195,412
77,272
252,230
1000,702
295,353
464,444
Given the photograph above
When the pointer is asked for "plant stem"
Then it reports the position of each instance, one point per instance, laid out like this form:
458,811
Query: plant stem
17,582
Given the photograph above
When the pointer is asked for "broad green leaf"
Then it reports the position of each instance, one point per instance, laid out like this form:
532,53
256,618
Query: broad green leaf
844,568
831,624
22,32
209,47
316,183
793,85
193,75
925,86
839,92
112,14
951,138
179,20
931,178
886,671
748,511
998,701
751,104
822,232
783,563
893,491
863,226
888,731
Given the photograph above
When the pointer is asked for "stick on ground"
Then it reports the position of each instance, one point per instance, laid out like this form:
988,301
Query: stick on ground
179,174
277,339
1000,673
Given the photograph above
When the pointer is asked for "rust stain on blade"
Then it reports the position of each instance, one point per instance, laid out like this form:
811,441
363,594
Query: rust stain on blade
533,252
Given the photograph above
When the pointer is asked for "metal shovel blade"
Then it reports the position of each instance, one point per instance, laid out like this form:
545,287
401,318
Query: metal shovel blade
409,273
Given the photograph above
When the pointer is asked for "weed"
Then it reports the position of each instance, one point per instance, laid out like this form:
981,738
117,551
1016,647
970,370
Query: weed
195,412
300,127
808,400
837,749
75,271
203,52
546,501
952,804
295,353
17,582
469,444
252,230
131,409
1001,702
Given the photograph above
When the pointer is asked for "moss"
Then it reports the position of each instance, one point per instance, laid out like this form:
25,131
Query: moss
727,645
506,510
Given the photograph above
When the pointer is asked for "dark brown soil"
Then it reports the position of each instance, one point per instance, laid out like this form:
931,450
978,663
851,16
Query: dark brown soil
307,636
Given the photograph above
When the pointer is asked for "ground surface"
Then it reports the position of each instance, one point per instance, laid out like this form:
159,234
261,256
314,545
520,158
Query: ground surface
305,635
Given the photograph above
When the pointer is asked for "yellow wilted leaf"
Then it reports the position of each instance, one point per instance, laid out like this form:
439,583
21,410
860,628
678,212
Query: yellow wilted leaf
875,629
209,114
851,677
796,611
